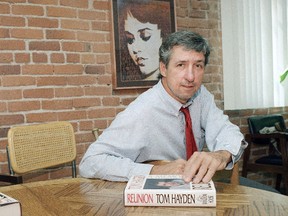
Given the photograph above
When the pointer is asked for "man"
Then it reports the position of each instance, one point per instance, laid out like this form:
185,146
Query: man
153,127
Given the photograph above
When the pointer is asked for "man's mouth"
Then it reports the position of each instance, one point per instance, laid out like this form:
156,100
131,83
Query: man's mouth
188,86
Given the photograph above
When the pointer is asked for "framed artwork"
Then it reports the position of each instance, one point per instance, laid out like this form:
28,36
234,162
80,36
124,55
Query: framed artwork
139,26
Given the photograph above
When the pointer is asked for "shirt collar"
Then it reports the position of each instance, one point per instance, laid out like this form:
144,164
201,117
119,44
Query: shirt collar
171,103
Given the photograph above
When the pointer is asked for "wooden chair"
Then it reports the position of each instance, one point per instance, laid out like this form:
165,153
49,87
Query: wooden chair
36,147
276,159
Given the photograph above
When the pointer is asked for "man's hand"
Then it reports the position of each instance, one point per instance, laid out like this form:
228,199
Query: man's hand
202,165
169,168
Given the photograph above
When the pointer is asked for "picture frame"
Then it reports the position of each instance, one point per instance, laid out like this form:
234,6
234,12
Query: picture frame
137,33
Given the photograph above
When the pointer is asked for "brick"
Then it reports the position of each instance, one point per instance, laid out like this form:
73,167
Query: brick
111,101
27,10
88,59
94,69
4,8
100,90
38,93
27,33
86,126
11,119
22,57
101,26
81,80
21,106
69,92
127,100
101,5
6,57
102,48
61,12
86,102
103,59
12,45
9,69
3,158
85,138
52,81
11,94
90,36
57,58
68,69
75,24
60,34
75,3
18,81
72,58
39,57
88,14
3,107
57,104
43,22
44,2
101,124
14,1
102,113
41,117
76,47
37,69
12,21
105,80
4,33
44,45
71,115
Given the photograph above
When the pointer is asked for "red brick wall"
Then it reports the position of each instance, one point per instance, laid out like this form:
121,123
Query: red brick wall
55,64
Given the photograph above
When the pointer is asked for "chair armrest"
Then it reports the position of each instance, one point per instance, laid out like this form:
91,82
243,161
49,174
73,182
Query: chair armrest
268,136
283,143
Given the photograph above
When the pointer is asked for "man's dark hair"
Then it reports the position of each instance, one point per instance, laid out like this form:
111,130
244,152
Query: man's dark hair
187,39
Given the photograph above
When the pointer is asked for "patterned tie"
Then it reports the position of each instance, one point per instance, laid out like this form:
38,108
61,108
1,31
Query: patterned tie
190,140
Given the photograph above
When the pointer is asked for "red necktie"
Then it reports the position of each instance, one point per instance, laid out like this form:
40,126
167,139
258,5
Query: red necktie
190,140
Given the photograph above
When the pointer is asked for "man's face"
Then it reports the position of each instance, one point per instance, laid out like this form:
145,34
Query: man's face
184,73
143,42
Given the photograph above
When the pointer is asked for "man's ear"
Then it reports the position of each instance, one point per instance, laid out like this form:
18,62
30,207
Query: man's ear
163,69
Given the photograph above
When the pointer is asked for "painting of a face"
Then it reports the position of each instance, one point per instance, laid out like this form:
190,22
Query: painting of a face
143,42
139,27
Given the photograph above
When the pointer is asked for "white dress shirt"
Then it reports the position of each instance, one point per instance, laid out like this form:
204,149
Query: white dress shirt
153,128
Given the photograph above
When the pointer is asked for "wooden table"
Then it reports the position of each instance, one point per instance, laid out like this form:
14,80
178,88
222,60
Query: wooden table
96,197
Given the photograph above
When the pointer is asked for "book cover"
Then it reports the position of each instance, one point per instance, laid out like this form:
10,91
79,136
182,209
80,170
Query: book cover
9,206
168,190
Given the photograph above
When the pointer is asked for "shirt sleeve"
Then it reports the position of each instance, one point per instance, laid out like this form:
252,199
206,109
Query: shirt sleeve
220,133
103,166
113,155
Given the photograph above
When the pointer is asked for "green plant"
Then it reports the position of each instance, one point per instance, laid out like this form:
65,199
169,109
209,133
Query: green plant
284,75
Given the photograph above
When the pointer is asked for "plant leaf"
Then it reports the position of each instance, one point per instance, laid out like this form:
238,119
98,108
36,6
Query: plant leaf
283,76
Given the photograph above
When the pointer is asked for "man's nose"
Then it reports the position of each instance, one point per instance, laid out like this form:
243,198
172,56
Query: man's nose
190,74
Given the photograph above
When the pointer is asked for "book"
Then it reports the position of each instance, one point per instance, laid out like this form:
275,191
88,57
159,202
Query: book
9,206
168,190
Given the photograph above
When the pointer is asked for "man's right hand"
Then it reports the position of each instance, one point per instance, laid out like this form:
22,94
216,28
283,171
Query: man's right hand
168,168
